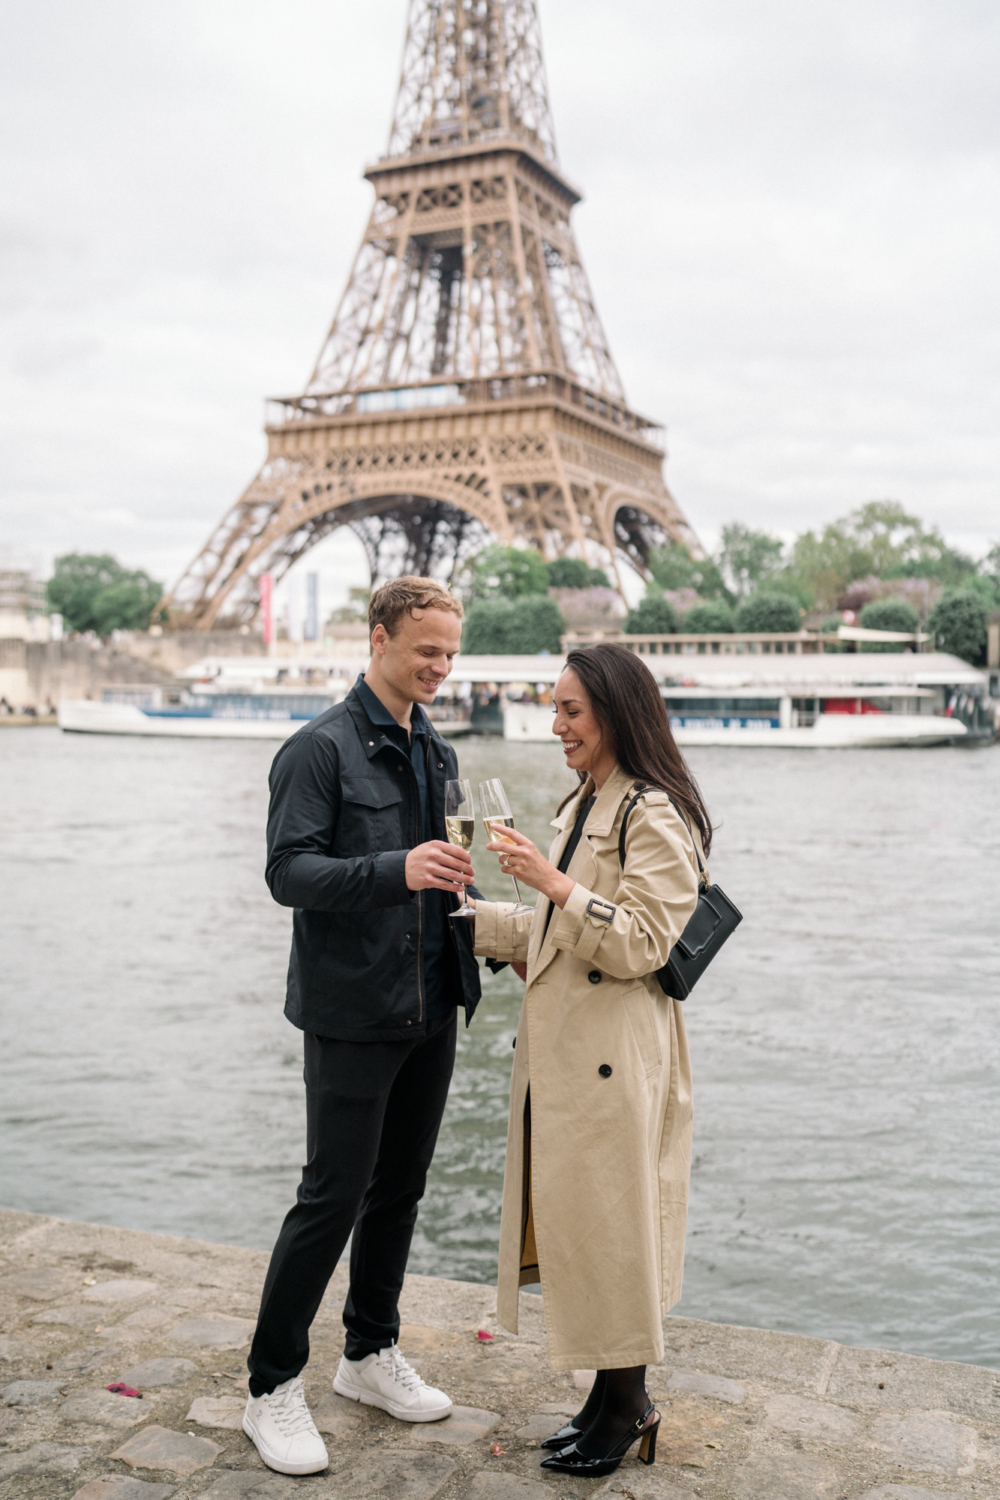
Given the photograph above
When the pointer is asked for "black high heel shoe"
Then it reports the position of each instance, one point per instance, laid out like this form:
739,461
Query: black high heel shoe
564,1437
572,1461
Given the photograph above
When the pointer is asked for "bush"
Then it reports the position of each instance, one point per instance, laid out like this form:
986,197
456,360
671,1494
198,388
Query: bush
653,615
94,592
499,627
715,618
769,614
574,573
888,614
958,623
587,609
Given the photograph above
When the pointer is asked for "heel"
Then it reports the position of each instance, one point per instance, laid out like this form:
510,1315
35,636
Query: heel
647,1448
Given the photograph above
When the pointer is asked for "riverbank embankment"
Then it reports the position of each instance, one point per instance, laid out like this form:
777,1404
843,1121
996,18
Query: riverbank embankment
747,1414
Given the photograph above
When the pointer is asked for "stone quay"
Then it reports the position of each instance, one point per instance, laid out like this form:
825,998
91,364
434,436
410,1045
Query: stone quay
747,1414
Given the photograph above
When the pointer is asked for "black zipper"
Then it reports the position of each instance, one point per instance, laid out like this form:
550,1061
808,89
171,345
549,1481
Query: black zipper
420,898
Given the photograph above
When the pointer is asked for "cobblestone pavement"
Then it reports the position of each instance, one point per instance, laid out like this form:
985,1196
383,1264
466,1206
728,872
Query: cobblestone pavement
747,1414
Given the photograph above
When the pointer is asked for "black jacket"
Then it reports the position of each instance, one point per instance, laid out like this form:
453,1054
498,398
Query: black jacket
344,813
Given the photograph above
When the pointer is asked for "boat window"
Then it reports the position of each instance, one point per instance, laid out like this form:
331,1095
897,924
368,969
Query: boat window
735,706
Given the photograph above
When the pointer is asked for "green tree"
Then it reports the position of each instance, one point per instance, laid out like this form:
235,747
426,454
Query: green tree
768,614
989,571
674,568
747,558
879,539
888,614
500,627
713,618
574,573
504,573
486,627
958,623
653,615
94,592
986,587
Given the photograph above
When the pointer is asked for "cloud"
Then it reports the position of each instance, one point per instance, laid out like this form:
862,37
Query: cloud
790,223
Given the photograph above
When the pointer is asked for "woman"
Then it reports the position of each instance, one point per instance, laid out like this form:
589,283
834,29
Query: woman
599,1140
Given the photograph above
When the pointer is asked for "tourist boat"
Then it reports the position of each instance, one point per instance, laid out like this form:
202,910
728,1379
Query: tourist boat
822,701
206,713
232,704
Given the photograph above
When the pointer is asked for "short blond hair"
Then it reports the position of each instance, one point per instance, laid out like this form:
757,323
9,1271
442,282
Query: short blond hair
401,596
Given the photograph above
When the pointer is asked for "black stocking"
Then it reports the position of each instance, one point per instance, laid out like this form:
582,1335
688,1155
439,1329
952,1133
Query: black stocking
592,1405
623,1402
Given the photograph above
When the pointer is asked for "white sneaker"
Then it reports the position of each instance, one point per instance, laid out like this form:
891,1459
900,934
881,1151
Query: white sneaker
386,1380
284,1432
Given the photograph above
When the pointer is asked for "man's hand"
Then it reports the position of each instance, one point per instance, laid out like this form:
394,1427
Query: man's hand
437,866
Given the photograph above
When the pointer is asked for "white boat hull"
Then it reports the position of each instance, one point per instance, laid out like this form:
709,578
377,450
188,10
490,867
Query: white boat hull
84,717
531,722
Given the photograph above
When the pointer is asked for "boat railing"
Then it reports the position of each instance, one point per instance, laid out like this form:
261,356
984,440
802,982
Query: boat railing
799,643
744,643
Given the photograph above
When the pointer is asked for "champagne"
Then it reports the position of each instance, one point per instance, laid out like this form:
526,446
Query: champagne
494,827
460,831
459,827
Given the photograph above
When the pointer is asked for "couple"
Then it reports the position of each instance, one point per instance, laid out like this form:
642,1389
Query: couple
598,1146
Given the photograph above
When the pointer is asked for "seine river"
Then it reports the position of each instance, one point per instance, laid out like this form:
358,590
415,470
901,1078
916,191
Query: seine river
846,1045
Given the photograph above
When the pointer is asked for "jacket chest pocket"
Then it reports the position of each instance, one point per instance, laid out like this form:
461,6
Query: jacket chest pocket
641,1013
371,815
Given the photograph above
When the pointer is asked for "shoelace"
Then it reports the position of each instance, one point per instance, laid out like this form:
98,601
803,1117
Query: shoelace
289,1410
400,1371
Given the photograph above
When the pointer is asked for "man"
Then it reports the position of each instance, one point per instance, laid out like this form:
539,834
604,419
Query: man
355,844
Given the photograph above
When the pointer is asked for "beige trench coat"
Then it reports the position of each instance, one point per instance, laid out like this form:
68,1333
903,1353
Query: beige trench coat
604,1052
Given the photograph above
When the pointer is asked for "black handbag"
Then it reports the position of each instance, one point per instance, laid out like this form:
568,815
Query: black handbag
713,920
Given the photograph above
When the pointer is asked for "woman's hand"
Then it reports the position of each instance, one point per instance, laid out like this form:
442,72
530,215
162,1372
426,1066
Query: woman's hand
519,857
521,970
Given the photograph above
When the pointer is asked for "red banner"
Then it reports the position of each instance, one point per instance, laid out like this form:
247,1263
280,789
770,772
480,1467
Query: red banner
266,585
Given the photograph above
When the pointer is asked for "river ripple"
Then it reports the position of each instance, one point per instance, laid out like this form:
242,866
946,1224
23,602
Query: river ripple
845,1044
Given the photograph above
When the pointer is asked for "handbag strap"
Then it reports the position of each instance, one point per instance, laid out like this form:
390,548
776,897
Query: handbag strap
703,875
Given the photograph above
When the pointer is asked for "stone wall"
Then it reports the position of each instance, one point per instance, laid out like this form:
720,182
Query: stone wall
36,674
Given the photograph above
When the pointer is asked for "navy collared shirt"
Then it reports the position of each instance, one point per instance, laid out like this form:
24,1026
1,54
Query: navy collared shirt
441,995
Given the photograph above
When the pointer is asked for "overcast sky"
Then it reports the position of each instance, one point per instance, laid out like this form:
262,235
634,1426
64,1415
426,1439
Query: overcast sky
790,221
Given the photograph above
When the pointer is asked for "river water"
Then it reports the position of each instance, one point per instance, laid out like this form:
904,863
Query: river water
846,1044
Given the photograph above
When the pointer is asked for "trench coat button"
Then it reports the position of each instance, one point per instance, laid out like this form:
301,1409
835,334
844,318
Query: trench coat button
605,1070
594,976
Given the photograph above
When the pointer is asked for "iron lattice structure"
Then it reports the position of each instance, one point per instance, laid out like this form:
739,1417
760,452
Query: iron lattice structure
465,390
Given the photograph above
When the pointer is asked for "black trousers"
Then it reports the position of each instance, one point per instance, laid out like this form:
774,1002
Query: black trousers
373,1110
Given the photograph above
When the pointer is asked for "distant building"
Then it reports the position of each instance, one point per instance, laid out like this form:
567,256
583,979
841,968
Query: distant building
24,611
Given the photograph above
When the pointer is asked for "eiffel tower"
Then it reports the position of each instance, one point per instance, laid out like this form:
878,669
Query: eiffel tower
465,391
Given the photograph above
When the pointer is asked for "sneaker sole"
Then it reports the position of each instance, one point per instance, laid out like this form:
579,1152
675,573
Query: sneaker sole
279,1465
401,1413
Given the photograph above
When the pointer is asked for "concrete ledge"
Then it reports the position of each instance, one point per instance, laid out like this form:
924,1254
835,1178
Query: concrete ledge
745,1413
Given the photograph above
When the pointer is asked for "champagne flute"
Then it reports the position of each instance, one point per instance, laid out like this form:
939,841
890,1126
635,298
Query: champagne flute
497,816
460,825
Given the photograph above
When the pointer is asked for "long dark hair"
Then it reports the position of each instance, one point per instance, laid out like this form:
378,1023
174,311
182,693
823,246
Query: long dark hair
630,710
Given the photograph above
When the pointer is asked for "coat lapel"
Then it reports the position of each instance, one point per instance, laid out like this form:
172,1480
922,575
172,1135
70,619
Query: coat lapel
563,823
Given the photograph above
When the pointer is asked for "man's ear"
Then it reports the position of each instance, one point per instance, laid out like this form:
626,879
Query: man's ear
379,638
